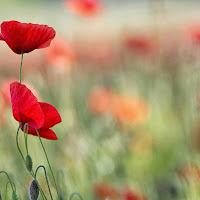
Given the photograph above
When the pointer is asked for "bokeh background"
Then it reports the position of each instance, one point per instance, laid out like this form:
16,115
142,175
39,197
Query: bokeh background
125,77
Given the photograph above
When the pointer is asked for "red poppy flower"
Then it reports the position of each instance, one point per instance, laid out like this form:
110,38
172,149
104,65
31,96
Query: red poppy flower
26,109
88,8
24,37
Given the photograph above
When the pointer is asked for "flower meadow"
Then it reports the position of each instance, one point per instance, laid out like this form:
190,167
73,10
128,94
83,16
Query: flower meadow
99,108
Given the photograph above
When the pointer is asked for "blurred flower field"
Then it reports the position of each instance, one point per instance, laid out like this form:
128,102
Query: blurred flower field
128,96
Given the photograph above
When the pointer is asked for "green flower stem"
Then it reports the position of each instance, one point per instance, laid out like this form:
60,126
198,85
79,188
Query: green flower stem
73,194
17,142
45,172
7,188
48,162
8,179
26,128
20,70
41,191
26,141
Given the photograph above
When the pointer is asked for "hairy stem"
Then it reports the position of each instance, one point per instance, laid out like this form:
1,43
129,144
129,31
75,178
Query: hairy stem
48,162
17,142
4,172
73,194
45,172
20,69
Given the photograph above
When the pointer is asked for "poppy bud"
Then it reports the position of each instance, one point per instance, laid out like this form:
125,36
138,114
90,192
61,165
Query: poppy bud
29,163
34,191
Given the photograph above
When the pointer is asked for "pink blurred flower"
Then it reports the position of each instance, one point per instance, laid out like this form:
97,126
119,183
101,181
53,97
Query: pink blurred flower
192,32
85,8
60,54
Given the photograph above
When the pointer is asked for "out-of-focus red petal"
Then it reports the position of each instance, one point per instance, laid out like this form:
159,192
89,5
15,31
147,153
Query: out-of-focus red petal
52,117
24,37
25,106
44,133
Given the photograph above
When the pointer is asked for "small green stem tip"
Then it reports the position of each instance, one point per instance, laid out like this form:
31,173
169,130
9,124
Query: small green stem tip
20,69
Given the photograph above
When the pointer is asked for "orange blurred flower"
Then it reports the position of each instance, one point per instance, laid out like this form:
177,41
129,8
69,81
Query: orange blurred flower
191,171
100,100
131,110
85,8
5,90
59,54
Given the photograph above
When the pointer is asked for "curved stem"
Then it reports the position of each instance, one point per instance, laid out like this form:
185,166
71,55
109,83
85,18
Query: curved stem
20,70
60,181
45,172
26,128
48,162
75,193
4,172
17,142
41,191
7,188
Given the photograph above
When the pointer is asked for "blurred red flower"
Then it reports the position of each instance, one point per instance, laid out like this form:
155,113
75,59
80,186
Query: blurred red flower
25,37
60,54
128,194
139,45
192,32
103,190
5,90
86,8
26,109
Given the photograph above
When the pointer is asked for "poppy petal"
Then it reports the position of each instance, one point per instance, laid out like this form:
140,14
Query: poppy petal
52,117
44,133
25,106
1,37
24,37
